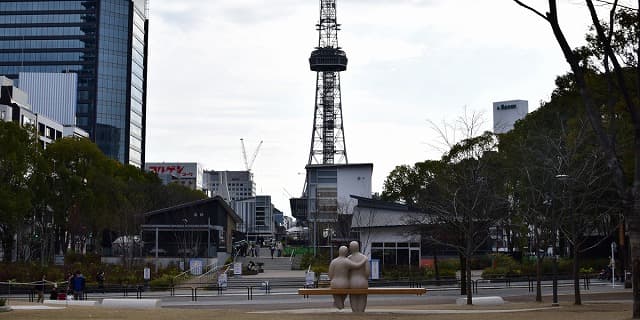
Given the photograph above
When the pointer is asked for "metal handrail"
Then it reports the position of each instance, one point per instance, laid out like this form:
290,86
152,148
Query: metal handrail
215,271
182,274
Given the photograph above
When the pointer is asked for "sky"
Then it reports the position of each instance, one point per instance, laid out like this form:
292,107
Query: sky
221,70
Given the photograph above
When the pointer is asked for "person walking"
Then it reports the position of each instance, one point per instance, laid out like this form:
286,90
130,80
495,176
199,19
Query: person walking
273,250
100,279
78,286
40,287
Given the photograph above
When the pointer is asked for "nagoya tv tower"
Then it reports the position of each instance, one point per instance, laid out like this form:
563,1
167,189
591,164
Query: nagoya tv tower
327,60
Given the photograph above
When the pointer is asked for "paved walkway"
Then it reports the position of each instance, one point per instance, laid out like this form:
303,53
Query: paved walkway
397,311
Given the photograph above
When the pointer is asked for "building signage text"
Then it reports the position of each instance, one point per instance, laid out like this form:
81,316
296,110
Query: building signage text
172,170
507,106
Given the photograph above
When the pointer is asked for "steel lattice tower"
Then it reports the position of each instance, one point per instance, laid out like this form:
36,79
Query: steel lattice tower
327,60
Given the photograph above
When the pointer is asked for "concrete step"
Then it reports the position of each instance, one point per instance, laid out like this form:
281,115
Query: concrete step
268,263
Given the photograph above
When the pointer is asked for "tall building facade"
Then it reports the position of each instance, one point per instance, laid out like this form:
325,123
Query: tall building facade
105,43
257,217
230,185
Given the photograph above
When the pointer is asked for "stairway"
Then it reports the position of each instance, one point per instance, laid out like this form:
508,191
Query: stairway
264,256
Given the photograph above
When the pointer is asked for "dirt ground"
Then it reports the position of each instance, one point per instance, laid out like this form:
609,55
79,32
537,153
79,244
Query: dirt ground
594,311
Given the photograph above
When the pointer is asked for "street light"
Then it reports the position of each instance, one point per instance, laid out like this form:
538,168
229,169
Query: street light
613,264
548,202
328,233
562,178
184,240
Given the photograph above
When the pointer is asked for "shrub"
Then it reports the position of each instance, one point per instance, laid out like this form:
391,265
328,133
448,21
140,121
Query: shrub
448,267
481,262
3,302
161,283
502,266
318,264
400,272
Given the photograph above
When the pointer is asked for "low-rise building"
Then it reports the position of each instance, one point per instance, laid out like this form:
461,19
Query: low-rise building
203,230
388,231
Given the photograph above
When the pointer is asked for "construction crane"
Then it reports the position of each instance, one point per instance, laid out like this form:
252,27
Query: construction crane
248,164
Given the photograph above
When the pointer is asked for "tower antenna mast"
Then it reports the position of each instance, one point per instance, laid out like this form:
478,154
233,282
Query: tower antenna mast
328,60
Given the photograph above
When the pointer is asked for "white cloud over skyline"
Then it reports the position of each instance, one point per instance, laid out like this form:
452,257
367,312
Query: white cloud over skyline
221,70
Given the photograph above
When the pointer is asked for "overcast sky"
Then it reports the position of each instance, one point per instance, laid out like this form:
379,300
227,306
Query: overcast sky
221,70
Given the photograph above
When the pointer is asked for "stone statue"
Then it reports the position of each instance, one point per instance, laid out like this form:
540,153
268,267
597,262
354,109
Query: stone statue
358,277
339,274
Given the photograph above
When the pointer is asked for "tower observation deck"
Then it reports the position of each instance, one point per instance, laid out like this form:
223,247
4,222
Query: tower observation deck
328,60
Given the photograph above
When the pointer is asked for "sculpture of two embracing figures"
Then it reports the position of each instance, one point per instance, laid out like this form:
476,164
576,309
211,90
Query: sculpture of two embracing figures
350,272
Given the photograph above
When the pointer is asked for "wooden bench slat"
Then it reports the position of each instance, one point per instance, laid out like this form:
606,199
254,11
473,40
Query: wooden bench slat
327,291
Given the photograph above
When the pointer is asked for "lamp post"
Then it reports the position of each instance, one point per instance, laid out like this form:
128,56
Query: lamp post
613,264
184,241
554,266
561,178
328,234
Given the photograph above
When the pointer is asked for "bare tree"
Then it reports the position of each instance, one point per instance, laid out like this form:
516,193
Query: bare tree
465,126
604,126
464,201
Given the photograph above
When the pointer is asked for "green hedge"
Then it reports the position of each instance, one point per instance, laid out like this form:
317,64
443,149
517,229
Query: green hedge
88,265
504,265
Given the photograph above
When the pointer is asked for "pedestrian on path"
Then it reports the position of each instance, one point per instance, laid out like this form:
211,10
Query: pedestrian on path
40,286
78,286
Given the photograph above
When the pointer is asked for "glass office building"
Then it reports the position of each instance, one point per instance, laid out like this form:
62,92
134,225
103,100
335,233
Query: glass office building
105,43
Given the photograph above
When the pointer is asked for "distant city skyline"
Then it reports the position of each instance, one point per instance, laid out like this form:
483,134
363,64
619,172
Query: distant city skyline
223,70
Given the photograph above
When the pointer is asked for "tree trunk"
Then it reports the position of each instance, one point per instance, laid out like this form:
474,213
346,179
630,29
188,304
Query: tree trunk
538,275
634,244
463,275
435,265
469,284
467,269
577,300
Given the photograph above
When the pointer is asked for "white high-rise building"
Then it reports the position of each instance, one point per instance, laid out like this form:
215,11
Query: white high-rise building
230,185
506,113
